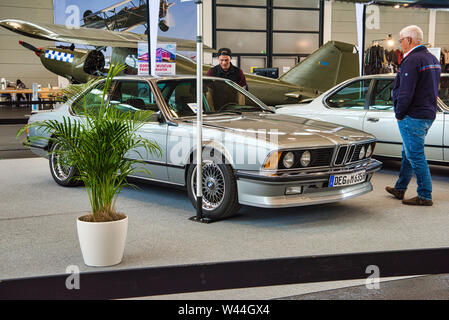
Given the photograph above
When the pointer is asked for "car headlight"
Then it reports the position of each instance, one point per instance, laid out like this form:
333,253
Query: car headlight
305,159
289,160
369,150
362,153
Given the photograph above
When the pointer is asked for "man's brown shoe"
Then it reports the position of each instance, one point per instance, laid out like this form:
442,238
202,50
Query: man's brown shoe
417,201
398,194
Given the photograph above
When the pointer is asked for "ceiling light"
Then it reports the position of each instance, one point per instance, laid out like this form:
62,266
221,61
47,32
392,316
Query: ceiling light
390,41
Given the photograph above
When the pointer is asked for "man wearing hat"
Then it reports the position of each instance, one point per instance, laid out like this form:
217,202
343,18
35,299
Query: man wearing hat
225,69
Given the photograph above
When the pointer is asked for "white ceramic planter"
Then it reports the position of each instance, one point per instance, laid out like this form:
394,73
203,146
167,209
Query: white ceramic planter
102,243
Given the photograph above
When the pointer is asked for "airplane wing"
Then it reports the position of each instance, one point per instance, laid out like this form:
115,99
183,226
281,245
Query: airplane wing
110,7
89,36
115,5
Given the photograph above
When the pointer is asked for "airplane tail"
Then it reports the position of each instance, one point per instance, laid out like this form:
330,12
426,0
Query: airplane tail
331,64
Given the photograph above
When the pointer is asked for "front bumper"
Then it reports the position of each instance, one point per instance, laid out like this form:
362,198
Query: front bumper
269,190
39,150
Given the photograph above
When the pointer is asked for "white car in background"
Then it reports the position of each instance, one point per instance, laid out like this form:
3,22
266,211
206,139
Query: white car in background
365,103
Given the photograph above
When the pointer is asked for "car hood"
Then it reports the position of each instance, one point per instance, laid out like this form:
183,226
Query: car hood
290,131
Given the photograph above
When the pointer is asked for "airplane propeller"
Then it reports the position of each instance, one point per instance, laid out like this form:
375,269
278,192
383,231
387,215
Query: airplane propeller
37,51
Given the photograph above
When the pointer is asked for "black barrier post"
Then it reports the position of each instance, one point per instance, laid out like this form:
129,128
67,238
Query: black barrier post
144,282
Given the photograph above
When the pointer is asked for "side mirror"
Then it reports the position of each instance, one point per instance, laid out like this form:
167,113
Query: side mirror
155,117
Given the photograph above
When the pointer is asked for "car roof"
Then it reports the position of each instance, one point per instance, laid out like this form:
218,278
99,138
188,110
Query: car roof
176,77
385,75
369,77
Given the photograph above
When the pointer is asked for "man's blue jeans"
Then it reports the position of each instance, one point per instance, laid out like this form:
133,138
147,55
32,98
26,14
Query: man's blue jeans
413,132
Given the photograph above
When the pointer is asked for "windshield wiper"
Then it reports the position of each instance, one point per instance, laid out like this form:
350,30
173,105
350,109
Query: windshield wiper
224,112
252,110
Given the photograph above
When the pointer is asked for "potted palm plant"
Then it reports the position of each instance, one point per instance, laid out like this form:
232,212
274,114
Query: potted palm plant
96,147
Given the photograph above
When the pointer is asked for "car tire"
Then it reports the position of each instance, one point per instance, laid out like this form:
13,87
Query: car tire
220,197
63,175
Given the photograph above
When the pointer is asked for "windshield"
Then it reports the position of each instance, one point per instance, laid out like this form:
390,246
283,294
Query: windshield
219,96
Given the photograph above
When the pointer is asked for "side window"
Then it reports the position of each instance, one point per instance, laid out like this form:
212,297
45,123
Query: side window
444,90
350,97
180,95
90,100
382,98
133,96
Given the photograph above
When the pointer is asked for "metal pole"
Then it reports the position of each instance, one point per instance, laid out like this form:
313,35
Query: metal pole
199,114
148,37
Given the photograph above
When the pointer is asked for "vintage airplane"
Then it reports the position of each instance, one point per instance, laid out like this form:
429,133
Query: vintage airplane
331,64
126,18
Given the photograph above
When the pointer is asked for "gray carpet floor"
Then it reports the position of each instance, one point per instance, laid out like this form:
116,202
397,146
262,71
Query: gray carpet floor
38,228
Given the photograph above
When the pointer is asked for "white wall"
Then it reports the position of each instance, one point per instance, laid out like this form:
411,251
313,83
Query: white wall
16,62
442,29
380,21
207,29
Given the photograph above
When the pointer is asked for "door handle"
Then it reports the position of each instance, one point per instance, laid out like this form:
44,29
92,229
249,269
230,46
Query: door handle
373,119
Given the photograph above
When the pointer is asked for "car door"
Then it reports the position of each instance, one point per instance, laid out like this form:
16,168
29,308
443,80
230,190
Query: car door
444,96
347,105
180,99
446,137
137,95
380,121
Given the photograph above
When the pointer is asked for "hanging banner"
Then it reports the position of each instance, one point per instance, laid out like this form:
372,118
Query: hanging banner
142,59
359,11
166,59
153,7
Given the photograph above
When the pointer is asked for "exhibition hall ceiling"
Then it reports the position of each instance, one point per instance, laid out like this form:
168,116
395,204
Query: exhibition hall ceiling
408,3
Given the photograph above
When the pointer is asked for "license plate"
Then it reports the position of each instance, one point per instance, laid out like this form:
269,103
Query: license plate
339,180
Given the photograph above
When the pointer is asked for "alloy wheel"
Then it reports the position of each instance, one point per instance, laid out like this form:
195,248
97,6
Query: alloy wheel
213,183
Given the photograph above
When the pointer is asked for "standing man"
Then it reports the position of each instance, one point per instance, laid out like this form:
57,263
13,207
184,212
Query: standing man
225,69
415,95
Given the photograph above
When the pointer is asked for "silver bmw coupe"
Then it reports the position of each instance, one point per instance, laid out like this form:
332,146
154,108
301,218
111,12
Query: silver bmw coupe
251,155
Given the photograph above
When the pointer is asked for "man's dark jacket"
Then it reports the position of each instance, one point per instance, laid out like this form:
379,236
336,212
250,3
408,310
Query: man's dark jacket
233,73
416,84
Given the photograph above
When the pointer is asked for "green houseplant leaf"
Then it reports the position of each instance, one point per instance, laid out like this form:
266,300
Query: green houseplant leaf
97,144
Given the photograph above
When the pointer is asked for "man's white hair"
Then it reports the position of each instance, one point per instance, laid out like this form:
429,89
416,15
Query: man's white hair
413,32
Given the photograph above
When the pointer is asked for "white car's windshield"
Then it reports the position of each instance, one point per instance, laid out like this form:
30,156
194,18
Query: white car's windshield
218,97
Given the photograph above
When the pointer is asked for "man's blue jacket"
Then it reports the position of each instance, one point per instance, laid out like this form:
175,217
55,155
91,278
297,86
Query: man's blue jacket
416,84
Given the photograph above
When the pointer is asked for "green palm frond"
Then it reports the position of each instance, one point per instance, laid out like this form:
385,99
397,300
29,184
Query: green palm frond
97,145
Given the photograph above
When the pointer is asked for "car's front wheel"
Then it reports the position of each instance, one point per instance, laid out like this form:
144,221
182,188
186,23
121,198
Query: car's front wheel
62,172
219,188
